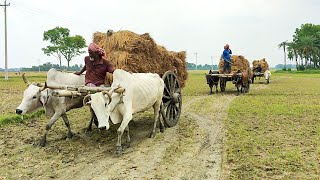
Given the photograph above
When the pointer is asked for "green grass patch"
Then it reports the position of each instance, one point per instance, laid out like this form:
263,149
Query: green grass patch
9,119
273,133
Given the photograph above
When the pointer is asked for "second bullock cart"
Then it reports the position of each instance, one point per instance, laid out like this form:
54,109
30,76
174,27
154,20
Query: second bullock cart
241,80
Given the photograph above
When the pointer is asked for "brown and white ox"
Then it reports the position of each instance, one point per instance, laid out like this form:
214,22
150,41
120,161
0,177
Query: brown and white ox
241,80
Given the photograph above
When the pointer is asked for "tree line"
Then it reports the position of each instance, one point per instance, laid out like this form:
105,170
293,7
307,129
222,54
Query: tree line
192,66
304,48
47,66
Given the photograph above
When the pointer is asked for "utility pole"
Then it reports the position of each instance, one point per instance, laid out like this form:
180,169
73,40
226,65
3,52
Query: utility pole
5,39
196,60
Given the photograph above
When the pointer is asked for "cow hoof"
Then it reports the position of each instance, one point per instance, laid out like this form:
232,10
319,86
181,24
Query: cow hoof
89,129
102,128
127,144
43,142
119,150
70,134
152,135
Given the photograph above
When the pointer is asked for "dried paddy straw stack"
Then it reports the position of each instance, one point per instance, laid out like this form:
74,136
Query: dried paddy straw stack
238,63
264,64
139,53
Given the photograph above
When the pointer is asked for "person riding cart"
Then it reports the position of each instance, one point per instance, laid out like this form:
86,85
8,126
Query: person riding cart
258,69
226,56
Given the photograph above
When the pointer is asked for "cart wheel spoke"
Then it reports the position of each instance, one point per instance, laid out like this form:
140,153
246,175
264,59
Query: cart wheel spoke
166,104
166,97
166,90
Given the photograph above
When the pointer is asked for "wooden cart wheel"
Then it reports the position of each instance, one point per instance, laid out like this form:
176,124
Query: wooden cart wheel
223,84
172,99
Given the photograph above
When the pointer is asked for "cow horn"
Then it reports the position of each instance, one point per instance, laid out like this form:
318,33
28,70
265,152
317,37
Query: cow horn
108,94
119,90
39,84
86,99
25,79
42,87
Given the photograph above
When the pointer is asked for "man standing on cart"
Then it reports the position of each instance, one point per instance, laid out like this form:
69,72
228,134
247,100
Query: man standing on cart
226,55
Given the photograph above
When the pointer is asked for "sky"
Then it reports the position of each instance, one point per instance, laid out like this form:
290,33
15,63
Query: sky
252,28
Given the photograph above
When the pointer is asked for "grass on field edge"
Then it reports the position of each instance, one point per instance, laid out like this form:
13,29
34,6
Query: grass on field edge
10,119
311,71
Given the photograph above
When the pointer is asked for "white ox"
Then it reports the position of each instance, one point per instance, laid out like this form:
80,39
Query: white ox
35,97
267,75
141,92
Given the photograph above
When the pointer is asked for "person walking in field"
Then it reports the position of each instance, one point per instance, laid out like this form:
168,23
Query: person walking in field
226,56
96,66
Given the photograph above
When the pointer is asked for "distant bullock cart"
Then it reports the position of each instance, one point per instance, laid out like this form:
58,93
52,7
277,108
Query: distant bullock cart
260,68
239,74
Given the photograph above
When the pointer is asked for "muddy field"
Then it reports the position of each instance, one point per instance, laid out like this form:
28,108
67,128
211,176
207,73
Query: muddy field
193,149
190,150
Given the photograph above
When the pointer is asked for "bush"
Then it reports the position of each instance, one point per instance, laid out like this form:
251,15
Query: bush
284,69
289,69
301,68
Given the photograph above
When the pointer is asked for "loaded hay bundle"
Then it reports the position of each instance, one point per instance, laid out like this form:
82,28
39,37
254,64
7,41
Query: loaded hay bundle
140,54
264,64
238,63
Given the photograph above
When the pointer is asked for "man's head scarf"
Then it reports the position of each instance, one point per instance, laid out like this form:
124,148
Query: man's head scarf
95,48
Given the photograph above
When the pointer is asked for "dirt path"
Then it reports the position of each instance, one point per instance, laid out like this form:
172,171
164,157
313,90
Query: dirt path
177,154
190,150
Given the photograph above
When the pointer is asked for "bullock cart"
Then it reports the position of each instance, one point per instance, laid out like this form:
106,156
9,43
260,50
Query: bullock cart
239,74
260,74
260,68
172,99
240,79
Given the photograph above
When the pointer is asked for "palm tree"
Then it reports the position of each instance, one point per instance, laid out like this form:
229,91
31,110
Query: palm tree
293,47
308,45
284,45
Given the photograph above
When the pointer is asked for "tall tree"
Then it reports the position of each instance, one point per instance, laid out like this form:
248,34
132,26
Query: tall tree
307,44
62,44
55,37
72,46
294,50
284,45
